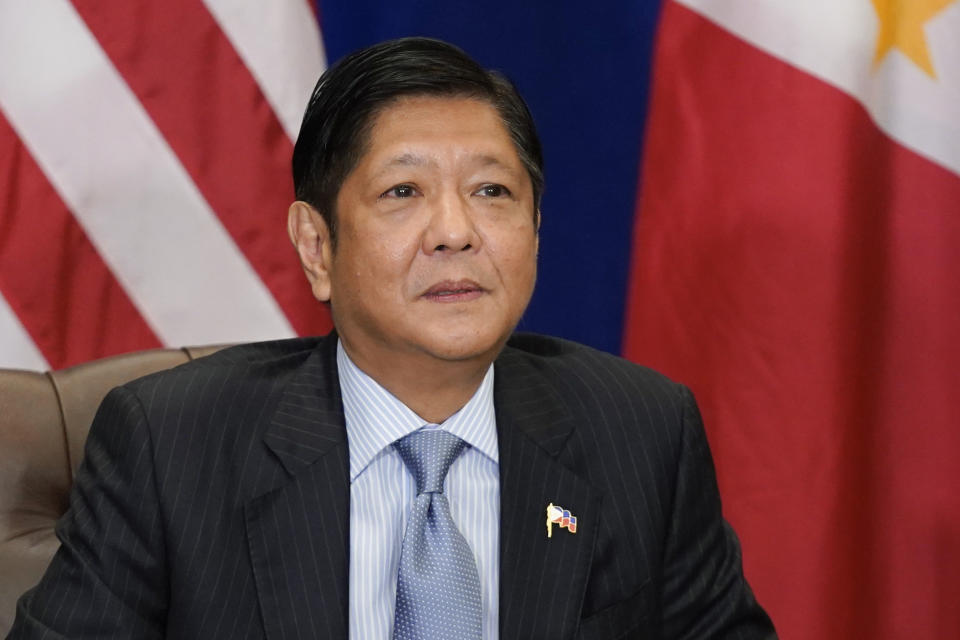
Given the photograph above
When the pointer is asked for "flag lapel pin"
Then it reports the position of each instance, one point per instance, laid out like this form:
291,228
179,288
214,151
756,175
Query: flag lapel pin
560,517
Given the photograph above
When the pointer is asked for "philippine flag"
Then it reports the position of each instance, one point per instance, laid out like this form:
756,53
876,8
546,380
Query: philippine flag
796,261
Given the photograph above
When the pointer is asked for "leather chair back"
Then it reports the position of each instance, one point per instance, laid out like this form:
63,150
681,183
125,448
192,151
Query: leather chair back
44,421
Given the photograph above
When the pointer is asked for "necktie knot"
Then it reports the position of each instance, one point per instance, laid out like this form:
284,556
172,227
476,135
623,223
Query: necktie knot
428,455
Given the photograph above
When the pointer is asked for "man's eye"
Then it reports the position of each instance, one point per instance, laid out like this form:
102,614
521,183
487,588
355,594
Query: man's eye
399,191
493,191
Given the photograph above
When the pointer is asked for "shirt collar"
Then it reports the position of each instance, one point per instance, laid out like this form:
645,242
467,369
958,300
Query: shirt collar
375,418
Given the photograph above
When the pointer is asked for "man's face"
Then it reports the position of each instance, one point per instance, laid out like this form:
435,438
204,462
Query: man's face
436,237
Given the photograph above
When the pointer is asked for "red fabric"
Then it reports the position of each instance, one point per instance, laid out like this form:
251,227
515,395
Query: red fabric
211,111
799,270
52,276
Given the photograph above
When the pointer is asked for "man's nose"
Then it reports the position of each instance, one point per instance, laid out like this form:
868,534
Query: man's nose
452,227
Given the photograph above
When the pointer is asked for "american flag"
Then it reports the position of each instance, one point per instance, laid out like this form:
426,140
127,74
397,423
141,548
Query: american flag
143,145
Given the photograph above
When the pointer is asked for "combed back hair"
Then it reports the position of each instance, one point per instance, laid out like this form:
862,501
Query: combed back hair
350,94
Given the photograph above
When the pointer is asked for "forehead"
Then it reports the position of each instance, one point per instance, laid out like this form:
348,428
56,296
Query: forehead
425,129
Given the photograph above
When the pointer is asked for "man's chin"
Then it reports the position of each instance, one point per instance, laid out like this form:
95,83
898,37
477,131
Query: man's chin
469,348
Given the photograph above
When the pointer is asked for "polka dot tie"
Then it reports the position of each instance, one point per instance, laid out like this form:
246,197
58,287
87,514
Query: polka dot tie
438,588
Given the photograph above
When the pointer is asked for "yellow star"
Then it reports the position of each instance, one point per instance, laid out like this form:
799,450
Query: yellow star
901,26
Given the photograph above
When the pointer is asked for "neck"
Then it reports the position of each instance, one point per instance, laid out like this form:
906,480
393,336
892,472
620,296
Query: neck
432,388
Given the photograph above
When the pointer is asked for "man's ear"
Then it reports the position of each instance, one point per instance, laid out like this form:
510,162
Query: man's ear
310,235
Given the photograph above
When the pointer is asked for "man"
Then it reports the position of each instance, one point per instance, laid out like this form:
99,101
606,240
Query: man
419,473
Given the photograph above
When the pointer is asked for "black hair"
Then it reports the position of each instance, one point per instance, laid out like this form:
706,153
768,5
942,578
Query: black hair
351,93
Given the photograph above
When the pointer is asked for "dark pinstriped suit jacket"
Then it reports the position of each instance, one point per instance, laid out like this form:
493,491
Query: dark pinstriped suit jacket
213,502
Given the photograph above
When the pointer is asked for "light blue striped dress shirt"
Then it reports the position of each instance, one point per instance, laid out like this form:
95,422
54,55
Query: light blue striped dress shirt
382,493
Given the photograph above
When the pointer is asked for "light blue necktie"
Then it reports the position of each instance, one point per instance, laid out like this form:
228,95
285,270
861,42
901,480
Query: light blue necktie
438,588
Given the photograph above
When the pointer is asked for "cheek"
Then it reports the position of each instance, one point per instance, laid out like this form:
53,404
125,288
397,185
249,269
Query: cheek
380,268
373,251
515,255
394,254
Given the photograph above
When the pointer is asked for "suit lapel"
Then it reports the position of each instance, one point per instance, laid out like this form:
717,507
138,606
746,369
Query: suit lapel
298,515
542,580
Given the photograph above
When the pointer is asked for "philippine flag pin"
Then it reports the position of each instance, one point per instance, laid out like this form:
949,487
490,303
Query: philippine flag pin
560,517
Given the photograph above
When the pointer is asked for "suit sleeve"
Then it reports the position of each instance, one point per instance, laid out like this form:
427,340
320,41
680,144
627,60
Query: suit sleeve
108,579
705,594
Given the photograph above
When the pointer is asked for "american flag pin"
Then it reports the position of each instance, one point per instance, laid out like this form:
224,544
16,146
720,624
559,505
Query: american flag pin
561,517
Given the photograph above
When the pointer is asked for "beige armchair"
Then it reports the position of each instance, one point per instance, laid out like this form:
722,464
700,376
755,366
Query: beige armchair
44,420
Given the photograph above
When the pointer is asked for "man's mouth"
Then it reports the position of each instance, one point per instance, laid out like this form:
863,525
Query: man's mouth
454,291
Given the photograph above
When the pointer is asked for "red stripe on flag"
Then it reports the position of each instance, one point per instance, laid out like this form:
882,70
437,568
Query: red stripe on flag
55,281
213,114
800,271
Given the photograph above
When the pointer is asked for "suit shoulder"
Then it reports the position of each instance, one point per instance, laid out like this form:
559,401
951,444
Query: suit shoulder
619,408
590,368
267,354
246,366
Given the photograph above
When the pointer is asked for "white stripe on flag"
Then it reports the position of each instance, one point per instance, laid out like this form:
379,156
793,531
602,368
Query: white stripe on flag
836,42
113,168
280,43
19,352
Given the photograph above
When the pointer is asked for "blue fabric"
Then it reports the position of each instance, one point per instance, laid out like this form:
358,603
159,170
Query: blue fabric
438,587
